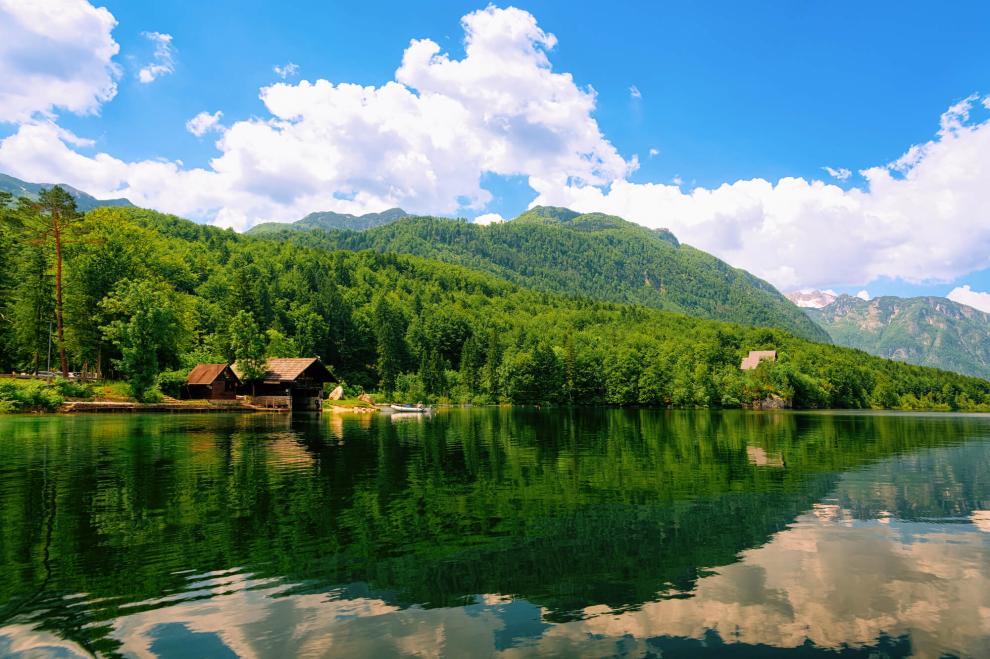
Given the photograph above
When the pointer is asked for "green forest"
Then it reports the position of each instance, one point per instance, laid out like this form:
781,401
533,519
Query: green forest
594,255
128,293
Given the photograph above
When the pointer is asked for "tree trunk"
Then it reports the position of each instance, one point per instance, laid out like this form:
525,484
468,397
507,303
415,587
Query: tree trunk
58,296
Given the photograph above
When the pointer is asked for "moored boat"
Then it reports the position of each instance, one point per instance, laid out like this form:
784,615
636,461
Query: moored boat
412,408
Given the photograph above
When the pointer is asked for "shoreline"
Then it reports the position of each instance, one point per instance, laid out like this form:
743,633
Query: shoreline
205,407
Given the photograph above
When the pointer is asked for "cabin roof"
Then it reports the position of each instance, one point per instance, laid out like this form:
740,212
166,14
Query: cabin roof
754,358
205,373
289,369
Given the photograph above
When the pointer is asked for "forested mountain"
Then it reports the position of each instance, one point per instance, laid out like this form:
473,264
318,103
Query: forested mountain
928,331
594,255
328,220
84,201
146,292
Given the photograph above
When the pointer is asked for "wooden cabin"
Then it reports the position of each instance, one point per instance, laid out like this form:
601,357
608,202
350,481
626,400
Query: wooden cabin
754,358
295,382
212,382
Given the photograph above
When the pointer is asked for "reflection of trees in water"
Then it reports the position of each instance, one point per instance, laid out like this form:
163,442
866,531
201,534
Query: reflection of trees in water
566,509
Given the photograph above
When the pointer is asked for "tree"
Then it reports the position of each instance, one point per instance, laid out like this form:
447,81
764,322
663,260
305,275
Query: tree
247,346
49,218
148,331
390,333
279,345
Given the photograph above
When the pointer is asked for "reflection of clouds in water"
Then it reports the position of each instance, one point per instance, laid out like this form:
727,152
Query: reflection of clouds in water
832,584
820,580
24,640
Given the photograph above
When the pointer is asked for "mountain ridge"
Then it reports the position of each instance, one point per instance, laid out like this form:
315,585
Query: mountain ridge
84,200
587,254
923,330
329,220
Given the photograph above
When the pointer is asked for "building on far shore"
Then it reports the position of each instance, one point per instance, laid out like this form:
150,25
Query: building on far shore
293,382
753,359
212,382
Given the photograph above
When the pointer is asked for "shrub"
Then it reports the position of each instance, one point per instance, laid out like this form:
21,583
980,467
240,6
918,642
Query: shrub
32,396
150,395
172,383
69,389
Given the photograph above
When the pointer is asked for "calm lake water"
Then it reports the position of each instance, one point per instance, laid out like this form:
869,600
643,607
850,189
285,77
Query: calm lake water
496,532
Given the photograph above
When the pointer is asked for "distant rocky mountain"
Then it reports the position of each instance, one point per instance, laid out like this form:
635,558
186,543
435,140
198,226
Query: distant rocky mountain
84,201
328,220
928,331
812,299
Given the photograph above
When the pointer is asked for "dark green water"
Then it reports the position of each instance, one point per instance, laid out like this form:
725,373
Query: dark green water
496,532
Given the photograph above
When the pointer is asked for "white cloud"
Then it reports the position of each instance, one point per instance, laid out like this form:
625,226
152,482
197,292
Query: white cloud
489,218
163,61
422,142
924,217
286,70
841,173
204,122
966,295
864,295
55,54
654,152
634,92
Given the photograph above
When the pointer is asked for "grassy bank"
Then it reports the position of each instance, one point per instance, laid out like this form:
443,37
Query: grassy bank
33,395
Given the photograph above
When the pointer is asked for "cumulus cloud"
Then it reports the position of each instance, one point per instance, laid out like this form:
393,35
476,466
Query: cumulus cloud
204,122
966,295
924,217
489,218
864,295
162,62
55,54
841,173
284,71
422,141
634,92
654,152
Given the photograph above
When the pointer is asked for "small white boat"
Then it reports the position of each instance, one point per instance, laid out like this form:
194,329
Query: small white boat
412,408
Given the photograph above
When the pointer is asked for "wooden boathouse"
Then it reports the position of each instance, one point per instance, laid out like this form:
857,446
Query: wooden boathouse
212,382
295,383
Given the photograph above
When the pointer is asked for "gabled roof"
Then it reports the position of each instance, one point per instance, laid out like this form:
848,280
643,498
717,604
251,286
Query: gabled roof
754,358
288,369
205,373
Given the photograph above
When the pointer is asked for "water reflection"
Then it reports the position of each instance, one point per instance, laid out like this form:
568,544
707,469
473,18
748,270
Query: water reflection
485,532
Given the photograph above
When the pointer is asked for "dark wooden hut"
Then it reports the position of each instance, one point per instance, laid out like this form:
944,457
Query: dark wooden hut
296,382
213,382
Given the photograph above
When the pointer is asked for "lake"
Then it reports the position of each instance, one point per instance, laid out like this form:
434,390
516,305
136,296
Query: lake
496,532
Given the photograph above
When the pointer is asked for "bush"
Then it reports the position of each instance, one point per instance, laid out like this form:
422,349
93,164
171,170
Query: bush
150,395
69,389
34,396
172,383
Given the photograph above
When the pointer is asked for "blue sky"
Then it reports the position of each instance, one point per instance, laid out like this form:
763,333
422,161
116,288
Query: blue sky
727,92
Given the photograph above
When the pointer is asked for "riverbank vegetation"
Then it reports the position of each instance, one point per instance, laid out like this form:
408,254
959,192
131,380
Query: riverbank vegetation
146,296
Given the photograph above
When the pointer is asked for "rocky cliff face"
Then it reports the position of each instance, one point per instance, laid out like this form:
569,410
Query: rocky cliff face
928,331
812,299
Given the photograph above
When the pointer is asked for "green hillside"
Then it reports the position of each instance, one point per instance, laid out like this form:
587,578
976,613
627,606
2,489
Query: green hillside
146,292
594,255
328,220
928,331
84,201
